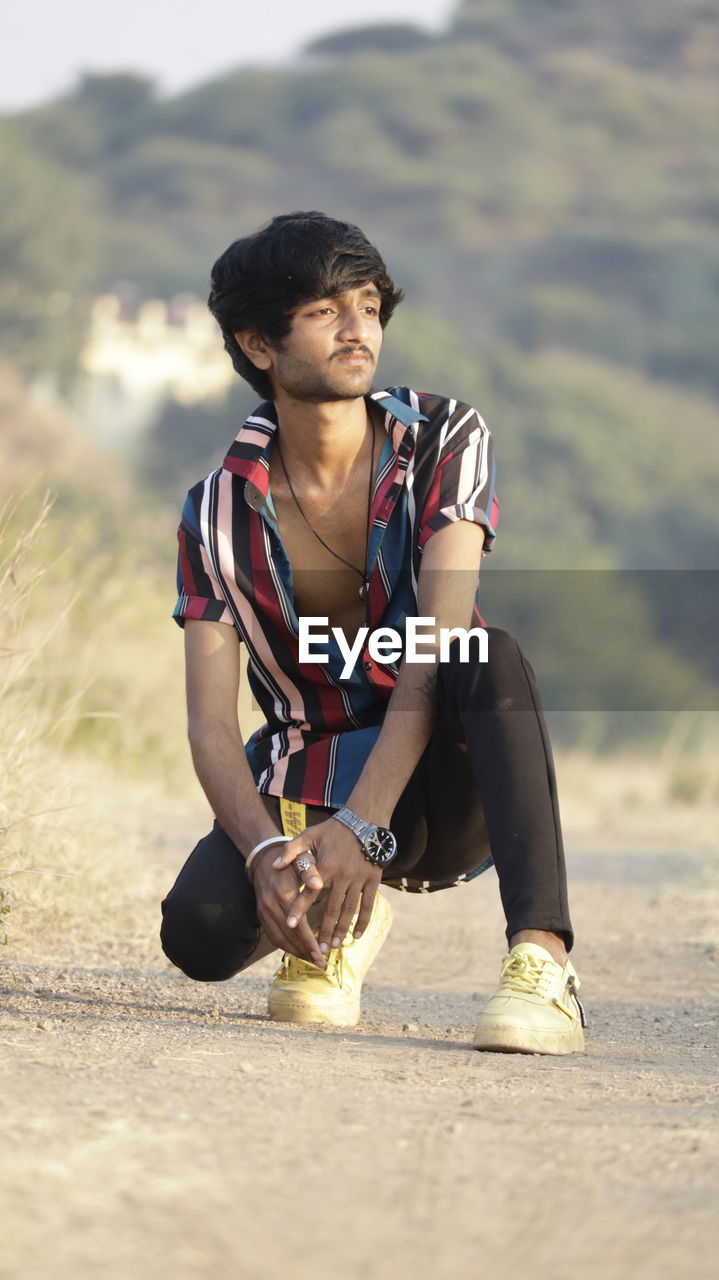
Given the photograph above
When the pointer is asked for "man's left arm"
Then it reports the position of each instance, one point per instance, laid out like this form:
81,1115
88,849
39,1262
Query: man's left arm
446,592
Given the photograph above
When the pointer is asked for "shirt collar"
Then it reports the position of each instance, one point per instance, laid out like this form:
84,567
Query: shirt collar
249,455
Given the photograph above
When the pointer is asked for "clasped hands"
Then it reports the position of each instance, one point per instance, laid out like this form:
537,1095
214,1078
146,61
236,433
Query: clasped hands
283,900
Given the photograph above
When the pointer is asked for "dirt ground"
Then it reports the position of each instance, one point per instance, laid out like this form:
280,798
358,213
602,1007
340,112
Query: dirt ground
154,1128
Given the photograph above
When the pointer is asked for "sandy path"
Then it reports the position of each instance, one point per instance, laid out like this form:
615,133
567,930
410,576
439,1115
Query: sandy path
156,1128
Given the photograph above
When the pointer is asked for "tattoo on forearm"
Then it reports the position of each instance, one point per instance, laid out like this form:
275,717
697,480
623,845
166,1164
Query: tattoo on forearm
428,686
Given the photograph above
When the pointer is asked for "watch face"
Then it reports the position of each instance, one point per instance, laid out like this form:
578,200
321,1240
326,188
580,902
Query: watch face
381,846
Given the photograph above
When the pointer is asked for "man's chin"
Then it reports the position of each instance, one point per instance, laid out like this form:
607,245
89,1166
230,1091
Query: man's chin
344,389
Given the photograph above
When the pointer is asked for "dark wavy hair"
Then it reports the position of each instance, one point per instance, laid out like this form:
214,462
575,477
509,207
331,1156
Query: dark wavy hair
261,280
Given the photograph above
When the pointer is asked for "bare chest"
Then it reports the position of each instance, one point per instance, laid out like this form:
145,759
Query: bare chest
323,585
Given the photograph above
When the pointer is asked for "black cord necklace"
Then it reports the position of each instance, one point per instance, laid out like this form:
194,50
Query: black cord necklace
362,572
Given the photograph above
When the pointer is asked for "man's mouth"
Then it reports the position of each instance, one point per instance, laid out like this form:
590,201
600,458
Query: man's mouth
358,355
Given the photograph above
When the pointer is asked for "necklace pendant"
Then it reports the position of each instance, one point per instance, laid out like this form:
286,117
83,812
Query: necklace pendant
363,591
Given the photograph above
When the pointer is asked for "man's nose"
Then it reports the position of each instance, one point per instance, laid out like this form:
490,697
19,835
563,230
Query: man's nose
354,326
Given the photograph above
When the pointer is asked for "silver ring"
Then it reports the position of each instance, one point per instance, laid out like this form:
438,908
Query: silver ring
303,864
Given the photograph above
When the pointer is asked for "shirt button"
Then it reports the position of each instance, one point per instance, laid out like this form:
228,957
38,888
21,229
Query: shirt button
367,666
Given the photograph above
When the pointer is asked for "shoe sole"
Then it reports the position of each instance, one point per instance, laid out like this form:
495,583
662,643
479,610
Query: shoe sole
306,1014
502,1039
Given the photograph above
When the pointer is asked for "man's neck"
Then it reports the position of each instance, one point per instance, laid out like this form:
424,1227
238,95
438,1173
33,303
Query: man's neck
321,442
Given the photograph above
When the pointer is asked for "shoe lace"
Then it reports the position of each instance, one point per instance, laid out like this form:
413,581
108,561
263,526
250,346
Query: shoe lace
293,969
527,973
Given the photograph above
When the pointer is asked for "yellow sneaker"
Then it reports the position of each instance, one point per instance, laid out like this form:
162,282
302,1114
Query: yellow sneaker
536,1009
302,992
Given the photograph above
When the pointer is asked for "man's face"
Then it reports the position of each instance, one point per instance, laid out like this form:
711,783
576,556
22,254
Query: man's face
331,350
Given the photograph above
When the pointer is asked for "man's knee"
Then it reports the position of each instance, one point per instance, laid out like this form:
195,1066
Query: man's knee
506,659
205,940
501,683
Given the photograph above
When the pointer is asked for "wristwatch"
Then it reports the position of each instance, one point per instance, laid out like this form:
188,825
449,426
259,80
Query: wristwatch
378,844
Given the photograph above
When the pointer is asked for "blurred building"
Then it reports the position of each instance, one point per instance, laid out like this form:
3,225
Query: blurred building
139,354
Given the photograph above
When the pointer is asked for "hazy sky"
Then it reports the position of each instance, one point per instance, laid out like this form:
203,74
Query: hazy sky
48,43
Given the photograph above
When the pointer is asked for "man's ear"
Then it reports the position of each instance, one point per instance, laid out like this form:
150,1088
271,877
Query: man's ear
253,345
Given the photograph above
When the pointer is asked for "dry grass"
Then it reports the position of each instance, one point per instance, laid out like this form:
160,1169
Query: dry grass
662,795
85,695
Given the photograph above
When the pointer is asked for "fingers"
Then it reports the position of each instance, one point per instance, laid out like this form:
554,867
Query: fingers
350,883
305,867
300,906
369,893
342,927
329,928
300,850
292,850
299,941
341,906
273,904
303,935
311,883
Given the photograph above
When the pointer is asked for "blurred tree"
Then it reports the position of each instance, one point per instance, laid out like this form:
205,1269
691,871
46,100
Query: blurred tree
378,37
97,118
47,235
245,108
169,173
654,30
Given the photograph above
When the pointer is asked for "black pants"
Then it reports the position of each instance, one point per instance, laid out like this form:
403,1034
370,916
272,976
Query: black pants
484,785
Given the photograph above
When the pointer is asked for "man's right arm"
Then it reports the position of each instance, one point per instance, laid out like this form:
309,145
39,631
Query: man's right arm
212,656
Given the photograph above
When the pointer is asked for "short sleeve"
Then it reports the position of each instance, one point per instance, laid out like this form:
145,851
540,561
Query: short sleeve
463,484
199,593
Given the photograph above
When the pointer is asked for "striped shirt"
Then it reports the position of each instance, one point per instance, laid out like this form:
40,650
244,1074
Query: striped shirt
435,467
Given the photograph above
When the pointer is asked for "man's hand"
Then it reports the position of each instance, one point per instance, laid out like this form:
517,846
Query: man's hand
276,891
343,868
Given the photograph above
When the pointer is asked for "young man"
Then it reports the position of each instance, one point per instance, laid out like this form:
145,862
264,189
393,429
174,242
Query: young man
349,512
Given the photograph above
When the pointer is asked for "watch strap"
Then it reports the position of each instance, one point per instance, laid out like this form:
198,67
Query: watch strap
355,824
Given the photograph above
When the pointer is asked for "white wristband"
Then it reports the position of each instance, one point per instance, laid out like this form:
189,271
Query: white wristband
263,845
